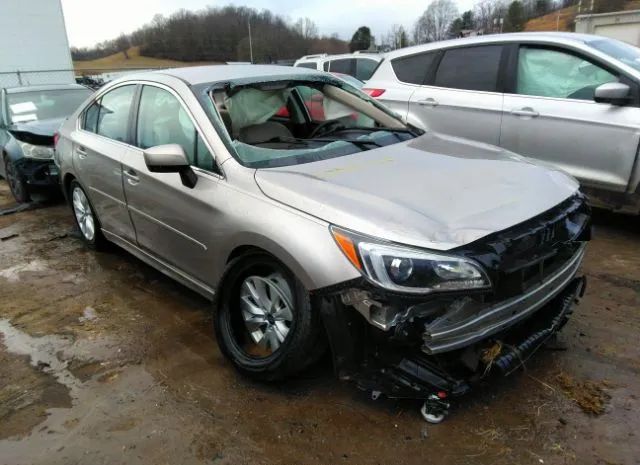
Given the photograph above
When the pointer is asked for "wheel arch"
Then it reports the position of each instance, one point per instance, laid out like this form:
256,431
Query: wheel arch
247,243
66,184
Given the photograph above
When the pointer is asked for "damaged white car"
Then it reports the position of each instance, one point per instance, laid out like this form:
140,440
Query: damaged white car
315,218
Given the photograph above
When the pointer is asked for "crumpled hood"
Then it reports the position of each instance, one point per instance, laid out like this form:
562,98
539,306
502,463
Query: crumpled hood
434,191
45,127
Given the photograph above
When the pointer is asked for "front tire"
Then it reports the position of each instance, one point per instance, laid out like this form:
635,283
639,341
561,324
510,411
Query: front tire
86,219
17,184
264,321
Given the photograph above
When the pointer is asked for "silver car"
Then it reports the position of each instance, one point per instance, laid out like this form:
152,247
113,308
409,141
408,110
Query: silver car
315,218
571,101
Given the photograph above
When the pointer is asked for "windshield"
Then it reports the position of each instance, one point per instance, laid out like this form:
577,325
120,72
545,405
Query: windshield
621,51
44,104
291,123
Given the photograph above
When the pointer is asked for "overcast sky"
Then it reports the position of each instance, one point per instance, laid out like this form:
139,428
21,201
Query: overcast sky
92,21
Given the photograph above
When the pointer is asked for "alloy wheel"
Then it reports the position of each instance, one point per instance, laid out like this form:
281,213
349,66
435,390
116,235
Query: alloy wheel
266,308
84,215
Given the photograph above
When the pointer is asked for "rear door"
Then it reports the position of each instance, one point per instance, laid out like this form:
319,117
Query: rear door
552,116
463,95
172,222
98,147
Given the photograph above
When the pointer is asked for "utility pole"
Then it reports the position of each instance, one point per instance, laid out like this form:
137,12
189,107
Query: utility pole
250,43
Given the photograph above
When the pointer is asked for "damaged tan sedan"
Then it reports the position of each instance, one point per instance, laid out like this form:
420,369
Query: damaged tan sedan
316,219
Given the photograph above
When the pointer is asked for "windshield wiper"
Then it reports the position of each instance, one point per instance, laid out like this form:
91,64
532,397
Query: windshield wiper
294,140
356,142
410,131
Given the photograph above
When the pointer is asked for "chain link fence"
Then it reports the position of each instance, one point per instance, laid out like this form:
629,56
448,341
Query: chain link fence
33,78
88,76
21,78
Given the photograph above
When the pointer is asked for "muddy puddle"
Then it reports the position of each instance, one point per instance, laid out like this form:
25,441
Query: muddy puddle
104,360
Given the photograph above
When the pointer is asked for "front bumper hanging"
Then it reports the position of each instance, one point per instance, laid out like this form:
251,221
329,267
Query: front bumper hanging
405,371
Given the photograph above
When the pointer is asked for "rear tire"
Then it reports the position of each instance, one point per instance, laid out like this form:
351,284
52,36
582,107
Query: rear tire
17,183
258,302
86,219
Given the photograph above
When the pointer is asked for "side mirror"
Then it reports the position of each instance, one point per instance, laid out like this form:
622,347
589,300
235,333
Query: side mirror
615,93
170,158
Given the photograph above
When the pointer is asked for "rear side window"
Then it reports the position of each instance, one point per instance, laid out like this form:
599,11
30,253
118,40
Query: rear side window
113,114
472,68
91,117
365,68
344,66
413,69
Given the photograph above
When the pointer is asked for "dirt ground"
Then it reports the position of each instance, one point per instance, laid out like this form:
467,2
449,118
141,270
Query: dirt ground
105,361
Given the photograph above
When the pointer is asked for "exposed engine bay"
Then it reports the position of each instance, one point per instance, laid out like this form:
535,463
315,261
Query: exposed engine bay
421,346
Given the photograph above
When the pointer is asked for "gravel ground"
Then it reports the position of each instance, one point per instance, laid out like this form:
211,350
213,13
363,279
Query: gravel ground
103,360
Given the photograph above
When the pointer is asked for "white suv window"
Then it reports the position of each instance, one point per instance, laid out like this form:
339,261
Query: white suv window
552,73
471,68
308,64
413,69
365,68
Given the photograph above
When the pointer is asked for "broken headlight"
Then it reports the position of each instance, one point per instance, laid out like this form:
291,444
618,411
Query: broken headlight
406,269
36,151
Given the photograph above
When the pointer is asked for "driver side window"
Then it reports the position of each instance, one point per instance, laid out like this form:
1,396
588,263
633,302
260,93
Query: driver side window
162,120
552,73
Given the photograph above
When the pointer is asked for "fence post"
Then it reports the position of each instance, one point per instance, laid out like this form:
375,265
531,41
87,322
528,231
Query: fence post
19,77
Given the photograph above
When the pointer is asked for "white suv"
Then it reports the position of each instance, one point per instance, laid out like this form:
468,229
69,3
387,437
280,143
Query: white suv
569,100
360,65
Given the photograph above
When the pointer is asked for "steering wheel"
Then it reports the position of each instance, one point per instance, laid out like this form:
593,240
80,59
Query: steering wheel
324,127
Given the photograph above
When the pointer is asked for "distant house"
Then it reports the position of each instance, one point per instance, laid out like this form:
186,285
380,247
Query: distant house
33,44
621,25
471,32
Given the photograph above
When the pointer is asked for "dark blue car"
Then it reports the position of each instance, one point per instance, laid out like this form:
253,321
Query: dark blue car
29,118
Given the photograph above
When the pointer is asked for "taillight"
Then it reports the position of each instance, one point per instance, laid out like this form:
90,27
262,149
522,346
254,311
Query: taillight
374,92
56,138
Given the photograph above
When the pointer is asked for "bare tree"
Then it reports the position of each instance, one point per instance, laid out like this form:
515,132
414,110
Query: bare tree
123,44
306,28
435,21
396,38
486,11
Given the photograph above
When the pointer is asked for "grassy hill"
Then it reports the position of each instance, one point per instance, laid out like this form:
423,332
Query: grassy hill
118,61
562,20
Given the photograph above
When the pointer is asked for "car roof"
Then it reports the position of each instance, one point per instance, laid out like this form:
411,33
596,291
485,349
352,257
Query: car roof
215,73
19,90
558,37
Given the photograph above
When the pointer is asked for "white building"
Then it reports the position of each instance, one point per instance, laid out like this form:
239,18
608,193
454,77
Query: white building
621,25
33,43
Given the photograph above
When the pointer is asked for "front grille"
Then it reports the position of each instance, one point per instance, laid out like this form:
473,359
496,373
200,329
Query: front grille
521,257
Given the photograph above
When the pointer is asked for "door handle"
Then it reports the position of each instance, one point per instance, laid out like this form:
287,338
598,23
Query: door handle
428,102
132,177
82,152
526,111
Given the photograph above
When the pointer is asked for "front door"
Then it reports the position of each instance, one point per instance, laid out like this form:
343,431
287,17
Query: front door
98,148
553,117
172,222
463,98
